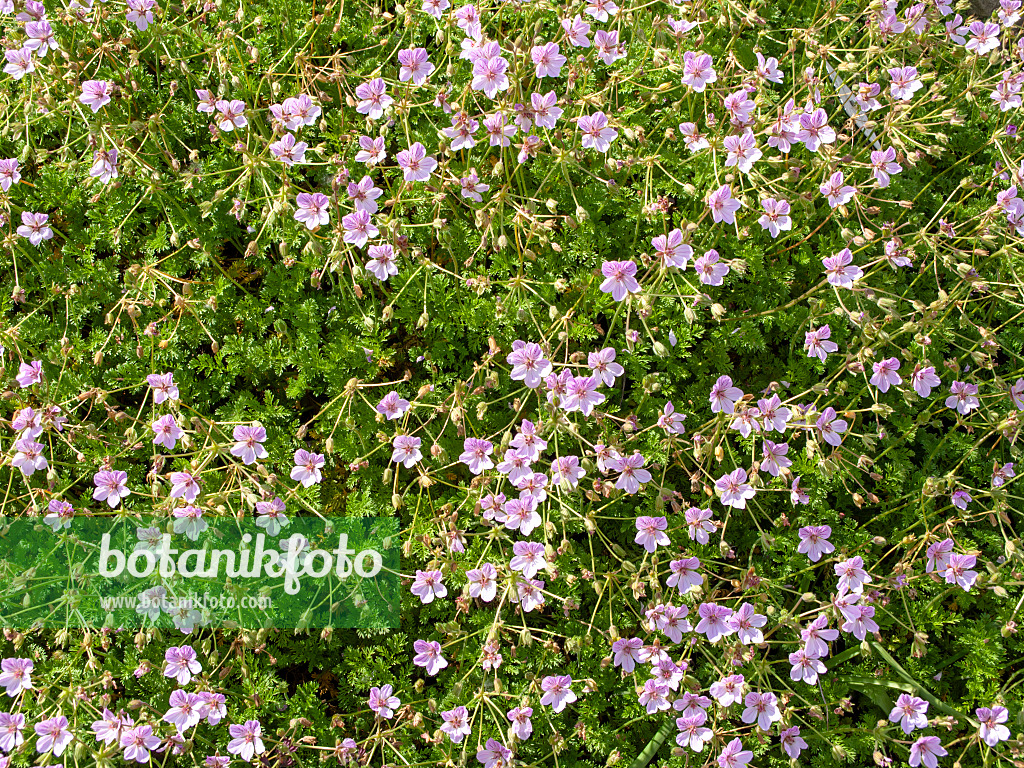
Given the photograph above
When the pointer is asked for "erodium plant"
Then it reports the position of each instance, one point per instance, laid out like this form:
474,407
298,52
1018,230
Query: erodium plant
683,340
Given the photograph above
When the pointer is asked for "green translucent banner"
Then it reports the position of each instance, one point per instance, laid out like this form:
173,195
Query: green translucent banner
132,572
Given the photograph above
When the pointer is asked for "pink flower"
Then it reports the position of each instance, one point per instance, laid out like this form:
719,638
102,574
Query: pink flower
41,39
626,653
163,387
773,457
698,71
494,755
9,174
699,523
415,65
547,60
406,450
249,443
904,83
684,574
545,113
806,667
104,166
746,623
557,692
110,487
371,150
734,756
597,134
957,571
33,226
814,542
723,206
814,130
522,726
963,397
15,675
692,734
232,114
830,427
184,485
582,395
607,46
489,76
415,164
167,432
30,373
245,740
991,729
427,585
928,749
859,621
742,151
632,475
816,635
739,105
620,279
836,191
456,724
471,187
603,364
762,708
601,9
796,493
180,663
140,13
909,712
358,228
923,379
734,488
307,467
885,374
392,406
476,453
960,499
312,209
54,734
651,532
365,195
883,165
1002,474
468,19
428,655
768,69
11,727
483,582
852,576
19,63
776,216
984,37
528,558
566,471
498,133
289,151
792,744
728,691
382,261
671,250
577,30
714,621
710,270
435,8
373,99
29,456
671,421
839,269
724,395
185,710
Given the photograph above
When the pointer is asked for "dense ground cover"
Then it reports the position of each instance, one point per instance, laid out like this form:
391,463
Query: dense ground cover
683,341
